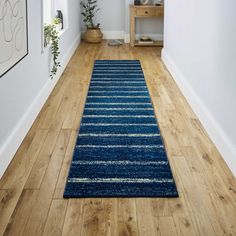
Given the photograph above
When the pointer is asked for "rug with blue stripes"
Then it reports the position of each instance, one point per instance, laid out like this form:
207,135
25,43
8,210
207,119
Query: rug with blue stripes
119,150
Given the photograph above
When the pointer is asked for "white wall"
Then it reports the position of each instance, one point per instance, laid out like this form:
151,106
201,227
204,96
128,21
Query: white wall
24,89
200,52
111,15
112,18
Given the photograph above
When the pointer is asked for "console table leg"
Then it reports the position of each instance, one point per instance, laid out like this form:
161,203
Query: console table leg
132,28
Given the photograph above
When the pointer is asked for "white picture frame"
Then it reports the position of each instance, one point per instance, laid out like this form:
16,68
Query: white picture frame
13,33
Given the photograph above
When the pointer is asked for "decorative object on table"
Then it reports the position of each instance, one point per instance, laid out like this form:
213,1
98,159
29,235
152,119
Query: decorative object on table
146,2
93,32
137,2
144,39
119,151
58,24
60,16
159,2
13,34
51,37
115,42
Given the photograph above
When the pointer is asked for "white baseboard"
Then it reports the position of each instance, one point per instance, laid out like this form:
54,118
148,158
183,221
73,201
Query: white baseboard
158,37
9,148
113,34
217,135
126,37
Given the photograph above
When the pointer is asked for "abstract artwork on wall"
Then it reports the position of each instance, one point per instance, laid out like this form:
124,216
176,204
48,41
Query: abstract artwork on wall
13,33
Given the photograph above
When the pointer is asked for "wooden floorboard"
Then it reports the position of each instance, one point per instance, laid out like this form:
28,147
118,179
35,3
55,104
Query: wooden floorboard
31,190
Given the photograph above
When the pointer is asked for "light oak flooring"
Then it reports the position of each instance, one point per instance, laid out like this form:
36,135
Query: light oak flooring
31,190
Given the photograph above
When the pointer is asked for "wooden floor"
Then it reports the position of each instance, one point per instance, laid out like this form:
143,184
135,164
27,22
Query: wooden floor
31,190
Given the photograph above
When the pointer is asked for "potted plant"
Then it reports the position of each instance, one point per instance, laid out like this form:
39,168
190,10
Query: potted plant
93,32
57,22
51,37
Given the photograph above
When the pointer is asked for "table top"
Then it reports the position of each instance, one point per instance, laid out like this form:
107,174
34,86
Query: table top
146,6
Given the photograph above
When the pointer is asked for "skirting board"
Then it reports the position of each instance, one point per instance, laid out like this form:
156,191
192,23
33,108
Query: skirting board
220,139
113,34
158,37
126,37
9,148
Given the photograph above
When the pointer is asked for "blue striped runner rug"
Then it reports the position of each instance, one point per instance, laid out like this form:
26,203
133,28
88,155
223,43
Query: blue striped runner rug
119,150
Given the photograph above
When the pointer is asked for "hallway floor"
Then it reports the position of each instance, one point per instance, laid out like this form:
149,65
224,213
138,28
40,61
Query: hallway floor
31,191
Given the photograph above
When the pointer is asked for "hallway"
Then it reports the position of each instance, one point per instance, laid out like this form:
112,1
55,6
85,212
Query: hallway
31,190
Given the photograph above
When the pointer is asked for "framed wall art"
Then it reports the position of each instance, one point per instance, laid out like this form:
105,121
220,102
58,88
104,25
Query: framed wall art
13,33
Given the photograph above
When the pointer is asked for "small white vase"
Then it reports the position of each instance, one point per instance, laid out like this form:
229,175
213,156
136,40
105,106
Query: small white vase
58,27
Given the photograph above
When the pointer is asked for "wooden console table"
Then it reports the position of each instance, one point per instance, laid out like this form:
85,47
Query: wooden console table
148,11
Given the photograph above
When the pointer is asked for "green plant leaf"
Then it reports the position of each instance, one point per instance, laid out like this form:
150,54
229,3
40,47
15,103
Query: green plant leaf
51,36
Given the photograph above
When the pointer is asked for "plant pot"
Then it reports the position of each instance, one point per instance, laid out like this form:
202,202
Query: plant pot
93,35
58,27
47,41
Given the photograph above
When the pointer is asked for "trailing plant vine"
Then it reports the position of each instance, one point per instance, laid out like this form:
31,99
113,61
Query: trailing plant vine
51,37
90,8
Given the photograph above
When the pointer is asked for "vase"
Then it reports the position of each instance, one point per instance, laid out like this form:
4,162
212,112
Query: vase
93,35
58,27
60,16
